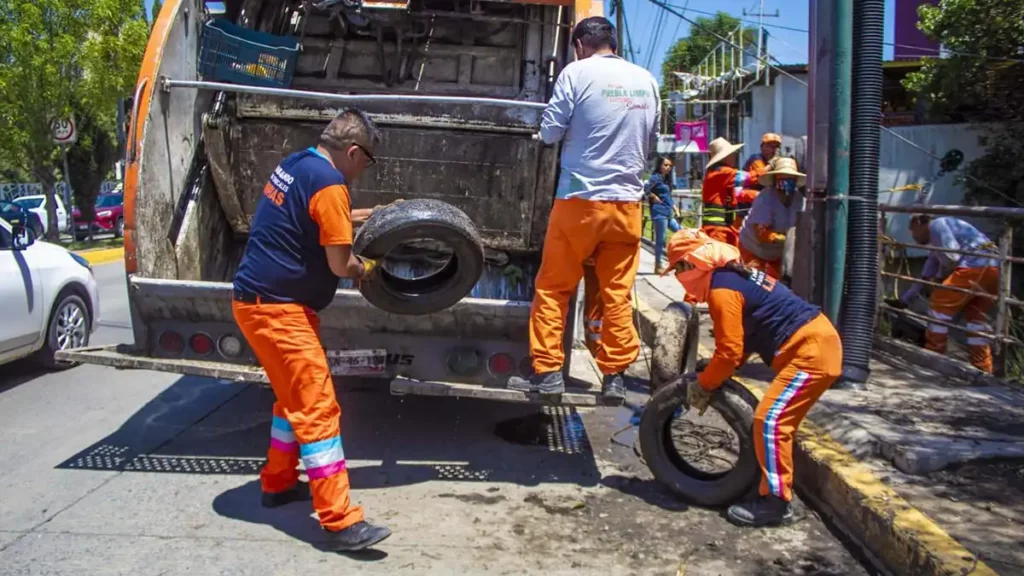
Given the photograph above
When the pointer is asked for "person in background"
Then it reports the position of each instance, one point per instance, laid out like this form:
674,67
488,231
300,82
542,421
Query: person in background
605,112
659,196
756,166
722,184
976,273
771,216
299,246
752,313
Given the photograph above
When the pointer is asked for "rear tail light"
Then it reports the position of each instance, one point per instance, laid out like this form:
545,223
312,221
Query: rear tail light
501,364
172,342
463,362
230,346
201,344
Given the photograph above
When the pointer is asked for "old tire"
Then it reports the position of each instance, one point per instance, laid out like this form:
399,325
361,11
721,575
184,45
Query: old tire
736,405
420,219
675,344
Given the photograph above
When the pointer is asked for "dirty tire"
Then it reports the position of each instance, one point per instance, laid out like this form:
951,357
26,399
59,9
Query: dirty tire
675,344
420,219
736,405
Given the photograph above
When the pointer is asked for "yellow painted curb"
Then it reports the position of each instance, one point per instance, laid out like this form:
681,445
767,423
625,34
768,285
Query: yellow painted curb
103,255
901,537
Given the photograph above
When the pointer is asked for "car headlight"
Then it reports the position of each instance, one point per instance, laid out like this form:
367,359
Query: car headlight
81,261
104,213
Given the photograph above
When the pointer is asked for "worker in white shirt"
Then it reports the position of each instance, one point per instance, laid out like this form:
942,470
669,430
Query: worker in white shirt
605,112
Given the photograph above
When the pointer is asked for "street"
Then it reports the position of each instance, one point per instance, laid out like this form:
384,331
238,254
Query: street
131,472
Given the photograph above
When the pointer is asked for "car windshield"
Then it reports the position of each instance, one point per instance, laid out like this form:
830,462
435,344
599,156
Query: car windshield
29,203
108,201
9,207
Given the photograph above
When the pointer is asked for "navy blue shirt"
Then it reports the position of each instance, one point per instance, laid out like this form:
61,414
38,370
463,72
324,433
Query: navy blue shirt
658,187
304,207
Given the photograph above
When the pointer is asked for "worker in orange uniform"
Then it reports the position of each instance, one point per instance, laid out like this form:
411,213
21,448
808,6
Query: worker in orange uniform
978,273
773,213
722,184
752,313
605,112
756,166
300,245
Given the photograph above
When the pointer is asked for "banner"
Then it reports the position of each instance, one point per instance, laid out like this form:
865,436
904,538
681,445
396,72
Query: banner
692,136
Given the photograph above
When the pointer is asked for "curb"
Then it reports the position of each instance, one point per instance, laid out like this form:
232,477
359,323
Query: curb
102,255
895,534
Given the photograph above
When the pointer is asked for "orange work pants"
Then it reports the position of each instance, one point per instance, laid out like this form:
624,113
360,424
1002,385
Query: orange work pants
772,267
806,365
577,230
593,310
725,234
307,418
947,303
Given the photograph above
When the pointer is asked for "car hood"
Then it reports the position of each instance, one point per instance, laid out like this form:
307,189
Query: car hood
46,249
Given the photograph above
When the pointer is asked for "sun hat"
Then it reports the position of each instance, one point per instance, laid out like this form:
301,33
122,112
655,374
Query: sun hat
771,138
719,149
782,167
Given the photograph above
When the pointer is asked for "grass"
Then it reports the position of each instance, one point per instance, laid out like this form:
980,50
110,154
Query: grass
95,244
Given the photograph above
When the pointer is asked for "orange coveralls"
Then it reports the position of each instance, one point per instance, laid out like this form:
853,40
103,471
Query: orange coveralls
722,185
805,365
578,229
306,198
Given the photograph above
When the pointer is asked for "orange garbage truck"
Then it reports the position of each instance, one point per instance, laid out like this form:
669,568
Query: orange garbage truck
457,95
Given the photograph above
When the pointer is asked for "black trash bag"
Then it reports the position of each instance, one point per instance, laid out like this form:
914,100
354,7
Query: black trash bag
421,220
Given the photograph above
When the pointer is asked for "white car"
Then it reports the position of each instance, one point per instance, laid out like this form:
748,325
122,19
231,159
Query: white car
50,298
37,204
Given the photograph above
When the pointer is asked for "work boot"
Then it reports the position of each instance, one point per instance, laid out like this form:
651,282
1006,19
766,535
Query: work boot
296,493
659,269
545,383
764,511
613,387
358,536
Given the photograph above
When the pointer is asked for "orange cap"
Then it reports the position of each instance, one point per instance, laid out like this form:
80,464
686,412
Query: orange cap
771,138
699,249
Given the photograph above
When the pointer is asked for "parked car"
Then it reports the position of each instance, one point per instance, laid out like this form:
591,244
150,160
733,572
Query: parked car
16,214
109,212
51,301
37,204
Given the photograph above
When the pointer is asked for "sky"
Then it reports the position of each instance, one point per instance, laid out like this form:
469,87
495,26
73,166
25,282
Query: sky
788,46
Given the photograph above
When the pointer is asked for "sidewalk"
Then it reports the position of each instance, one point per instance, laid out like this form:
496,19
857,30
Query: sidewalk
907,466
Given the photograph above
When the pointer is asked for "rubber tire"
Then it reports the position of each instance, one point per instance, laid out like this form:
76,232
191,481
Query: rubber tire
736,405
44,356
397,223
119,228
675,344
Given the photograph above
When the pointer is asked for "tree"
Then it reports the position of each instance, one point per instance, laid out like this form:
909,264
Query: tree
686,53
155,10
59,57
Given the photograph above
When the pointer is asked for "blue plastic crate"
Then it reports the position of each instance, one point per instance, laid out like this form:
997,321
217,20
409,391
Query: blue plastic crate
230,53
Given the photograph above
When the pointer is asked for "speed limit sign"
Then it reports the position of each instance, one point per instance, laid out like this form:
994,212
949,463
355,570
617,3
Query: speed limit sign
63,130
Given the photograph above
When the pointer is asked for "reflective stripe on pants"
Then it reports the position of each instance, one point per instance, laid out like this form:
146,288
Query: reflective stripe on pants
945,304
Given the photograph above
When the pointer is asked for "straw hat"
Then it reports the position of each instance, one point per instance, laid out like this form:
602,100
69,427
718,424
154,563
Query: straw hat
783,167
771,138
720,149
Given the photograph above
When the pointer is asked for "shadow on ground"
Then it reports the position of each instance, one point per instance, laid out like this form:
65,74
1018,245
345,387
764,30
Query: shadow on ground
16,373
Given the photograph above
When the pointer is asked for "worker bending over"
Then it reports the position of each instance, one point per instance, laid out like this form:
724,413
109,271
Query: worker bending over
976,273
605,111
300,244
772,214
722,184
752,313
756,166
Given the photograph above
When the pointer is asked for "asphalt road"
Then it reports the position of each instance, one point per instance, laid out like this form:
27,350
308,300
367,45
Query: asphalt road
132,472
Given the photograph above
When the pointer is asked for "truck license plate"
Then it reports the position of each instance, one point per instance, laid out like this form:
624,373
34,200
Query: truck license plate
357,362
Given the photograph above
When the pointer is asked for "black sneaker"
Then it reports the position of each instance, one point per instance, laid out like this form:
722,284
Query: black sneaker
764,511
358,536
614,387
546,383
297,493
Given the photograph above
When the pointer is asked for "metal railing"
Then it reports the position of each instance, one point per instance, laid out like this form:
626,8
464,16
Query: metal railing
1007,217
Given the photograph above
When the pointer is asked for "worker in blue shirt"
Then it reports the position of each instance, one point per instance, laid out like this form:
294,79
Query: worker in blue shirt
300,245
663,218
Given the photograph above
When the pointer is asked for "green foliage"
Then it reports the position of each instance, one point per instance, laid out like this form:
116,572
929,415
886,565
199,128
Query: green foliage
155,10
687,52
59,57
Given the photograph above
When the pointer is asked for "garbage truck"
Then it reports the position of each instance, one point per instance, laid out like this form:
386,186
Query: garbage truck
456,88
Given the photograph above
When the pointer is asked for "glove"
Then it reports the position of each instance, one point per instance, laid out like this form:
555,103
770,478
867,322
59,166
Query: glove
697,397
368,267
392,203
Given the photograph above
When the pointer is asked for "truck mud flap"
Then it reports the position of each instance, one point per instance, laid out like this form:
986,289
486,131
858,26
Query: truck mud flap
121,356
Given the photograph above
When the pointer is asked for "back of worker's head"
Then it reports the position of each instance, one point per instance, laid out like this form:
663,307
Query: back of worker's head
350,139
593,35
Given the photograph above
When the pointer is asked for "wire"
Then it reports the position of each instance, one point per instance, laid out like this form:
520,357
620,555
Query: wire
629,38
659,24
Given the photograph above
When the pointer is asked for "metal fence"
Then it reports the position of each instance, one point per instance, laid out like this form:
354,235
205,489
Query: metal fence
12,190
1007,217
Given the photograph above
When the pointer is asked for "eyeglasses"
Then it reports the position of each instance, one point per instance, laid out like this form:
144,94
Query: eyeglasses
370,160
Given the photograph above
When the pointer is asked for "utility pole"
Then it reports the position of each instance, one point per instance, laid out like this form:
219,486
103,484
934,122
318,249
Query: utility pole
619,25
